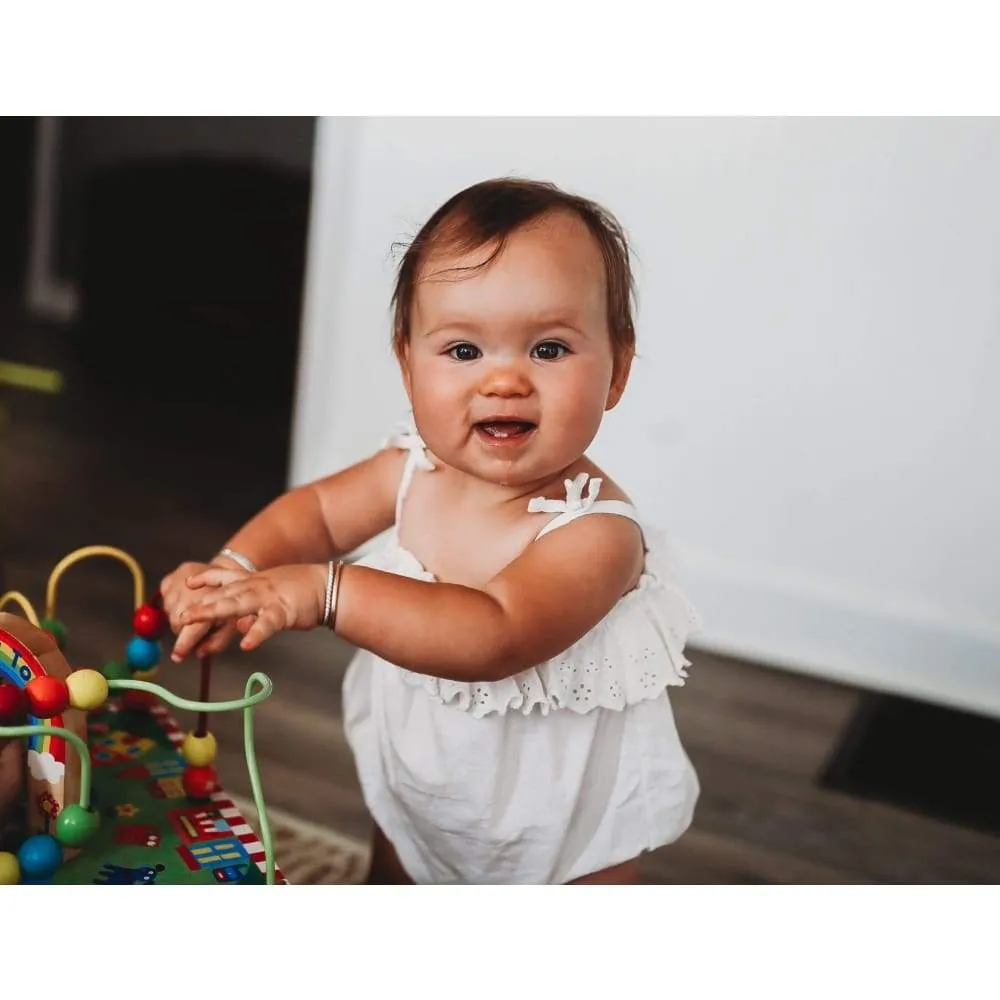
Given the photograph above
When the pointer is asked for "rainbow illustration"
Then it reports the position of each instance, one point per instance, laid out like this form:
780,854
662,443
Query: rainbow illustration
46,753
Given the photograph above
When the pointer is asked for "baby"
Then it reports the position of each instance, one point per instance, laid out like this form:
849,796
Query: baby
518,630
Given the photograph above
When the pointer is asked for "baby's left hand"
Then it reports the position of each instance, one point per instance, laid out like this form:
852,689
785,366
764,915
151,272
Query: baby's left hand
284,597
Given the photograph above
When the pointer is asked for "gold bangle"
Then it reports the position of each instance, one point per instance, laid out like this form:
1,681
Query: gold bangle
334,594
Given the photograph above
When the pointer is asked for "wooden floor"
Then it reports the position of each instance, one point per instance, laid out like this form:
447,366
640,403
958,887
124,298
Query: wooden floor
86,467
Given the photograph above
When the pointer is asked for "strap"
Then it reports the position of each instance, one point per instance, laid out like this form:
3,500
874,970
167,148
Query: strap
410,441
577,505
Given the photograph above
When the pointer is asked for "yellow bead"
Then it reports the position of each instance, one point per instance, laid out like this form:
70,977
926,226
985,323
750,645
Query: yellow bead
10,870
145,675
199,751
88,689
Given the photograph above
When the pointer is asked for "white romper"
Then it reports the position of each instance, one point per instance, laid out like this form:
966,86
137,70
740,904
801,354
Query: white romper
559,771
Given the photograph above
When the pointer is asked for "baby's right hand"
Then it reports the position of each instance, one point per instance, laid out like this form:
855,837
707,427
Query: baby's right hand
177,597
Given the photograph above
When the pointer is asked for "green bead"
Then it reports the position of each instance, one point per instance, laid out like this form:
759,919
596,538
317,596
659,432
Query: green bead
57,629
76,825
115,670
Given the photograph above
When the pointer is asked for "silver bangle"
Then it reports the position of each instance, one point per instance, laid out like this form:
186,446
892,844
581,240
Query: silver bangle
328,604
239,559
333,594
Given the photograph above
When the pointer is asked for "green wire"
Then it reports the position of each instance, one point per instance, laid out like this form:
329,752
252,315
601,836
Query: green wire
246,703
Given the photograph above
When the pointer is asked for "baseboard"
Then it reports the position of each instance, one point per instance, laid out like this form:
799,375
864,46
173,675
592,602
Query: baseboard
820,635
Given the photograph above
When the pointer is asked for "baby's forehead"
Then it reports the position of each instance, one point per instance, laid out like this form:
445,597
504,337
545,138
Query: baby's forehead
560,236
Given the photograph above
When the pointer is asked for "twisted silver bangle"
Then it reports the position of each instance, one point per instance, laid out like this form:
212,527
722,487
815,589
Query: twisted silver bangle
328,604
332,591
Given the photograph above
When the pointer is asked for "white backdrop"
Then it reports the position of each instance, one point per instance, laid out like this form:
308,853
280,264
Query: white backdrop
814,412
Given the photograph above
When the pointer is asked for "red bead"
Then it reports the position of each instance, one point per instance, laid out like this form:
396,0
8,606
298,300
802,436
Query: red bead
138,701
200,782
149,622
13,705
48,696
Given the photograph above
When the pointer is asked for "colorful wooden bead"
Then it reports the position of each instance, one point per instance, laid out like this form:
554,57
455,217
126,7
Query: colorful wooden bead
10,870
115,670
141,654
88,689
13,705
138,701
48,696
199,751
76,825
39,856
56,629
200,782
149,622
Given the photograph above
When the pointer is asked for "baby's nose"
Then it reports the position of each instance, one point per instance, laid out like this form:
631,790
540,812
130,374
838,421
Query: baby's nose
506,380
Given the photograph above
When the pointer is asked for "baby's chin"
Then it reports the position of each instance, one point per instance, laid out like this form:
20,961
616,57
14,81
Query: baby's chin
517,475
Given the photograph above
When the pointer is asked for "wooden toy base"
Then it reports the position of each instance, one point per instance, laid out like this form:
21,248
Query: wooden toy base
151,832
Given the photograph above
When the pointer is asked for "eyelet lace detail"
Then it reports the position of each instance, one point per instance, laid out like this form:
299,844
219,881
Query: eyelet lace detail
633,654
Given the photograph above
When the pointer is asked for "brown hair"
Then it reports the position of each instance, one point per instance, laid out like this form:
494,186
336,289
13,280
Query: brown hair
489,212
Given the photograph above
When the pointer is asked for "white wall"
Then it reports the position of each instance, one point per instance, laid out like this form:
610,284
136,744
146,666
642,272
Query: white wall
814,413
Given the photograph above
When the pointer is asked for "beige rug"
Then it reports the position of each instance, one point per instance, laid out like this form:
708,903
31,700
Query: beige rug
309,854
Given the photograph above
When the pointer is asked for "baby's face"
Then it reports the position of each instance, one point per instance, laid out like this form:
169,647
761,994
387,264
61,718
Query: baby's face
509,369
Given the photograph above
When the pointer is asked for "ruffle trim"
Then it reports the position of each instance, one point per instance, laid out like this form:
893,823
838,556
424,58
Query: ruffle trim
632,655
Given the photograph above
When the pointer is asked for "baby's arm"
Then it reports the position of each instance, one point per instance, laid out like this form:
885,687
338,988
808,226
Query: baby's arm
539,605
324,519
321,520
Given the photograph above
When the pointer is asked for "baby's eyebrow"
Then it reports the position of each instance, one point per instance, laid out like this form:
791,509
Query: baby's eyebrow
556,322
532,325
457,326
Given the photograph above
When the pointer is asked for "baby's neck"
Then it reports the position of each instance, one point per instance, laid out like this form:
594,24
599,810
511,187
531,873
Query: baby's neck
503,495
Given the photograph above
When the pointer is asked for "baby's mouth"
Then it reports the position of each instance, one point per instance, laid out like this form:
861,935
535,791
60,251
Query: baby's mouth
505,430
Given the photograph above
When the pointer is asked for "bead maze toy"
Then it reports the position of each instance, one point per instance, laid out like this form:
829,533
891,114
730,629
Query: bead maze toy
105,787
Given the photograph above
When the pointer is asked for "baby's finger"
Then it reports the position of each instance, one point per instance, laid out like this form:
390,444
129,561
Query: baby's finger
266,624
233,602
216,641
214,576
188,638
244,623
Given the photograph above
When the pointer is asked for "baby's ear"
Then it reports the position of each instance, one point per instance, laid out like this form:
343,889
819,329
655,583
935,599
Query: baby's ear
619,378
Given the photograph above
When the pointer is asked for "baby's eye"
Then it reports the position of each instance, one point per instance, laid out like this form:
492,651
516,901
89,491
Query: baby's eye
464,352
549,351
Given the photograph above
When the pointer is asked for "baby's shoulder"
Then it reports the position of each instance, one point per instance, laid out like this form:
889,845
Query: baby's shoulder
592,522
589,475
586,490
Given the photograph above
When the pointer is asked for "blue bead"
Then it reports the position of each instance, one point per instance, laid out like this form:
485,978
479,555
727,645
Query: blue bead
142,654
39,856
